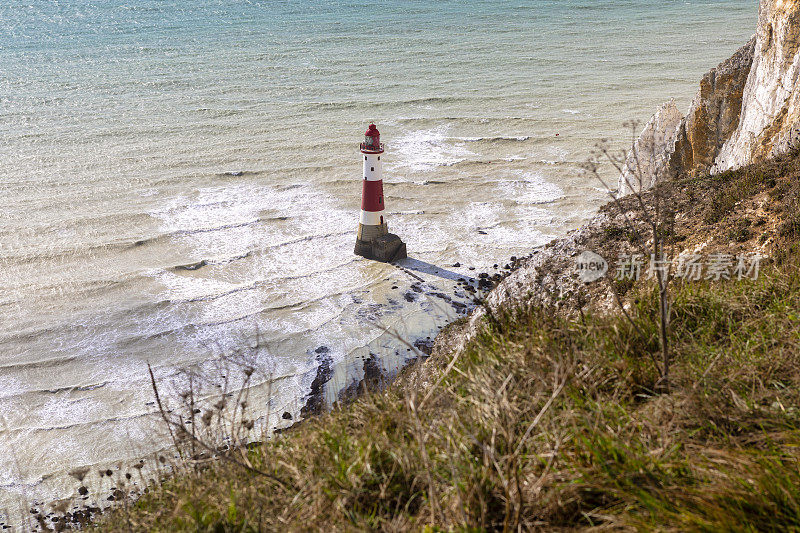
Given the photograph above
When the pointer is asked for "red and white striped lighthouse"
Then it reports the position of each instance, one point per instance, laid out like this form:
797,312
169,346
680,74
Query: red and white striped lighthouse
374,240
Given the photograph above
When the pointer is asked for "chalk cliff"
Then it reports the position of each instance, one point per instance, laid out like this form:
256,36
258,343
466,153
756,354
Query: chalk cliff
690,145
768,125
747,108
649,159
713,115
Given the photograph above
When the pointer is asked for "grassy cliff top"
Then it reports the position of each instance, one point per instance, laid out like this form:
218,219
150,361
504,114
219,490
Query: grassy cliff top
551,420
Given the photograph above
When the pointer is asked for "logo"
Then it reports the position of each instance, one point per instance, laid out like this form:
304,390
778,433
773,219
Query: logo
590,266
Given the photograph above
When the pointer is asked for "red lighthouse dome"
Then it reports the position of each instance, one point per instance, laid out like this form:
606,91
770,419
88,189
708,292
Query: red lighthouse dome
372,140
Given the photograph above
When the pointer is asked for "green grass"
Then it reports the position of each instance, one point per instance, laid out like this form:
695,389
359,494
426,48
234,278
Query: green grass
550,422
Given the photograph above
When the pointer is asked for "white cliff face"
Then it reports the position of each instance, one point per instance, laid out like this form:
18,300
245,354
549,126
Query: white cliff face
769,124
689,145
648,159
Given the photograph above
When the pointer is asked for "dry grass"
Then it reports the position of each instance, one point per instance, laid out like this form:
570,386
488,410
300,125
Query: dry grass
551,422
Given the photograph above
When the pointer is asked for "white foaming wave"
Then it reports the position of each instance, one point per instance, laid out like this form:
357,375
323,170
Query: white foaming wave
62,411
233,211
571,111
229,208
531,188
516,237
559,152
496,138
467,221
479,215
182,288
508,235
9,387
423,150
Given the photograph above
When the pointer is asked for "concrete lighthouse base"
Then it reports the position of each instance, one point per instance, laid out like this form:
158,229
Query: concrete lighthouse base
386,248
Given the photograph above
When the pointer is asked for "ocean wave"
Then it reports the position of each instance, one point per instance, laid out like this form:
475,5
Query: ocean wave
530,188
423,150
40,363
189,329
497,139
240,173
68,420
93,249
350,104
502,121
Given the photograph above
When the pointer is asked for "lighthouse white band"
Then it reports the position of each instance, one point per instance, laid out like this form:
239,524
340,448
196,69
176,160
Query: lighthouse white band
373,167
371,218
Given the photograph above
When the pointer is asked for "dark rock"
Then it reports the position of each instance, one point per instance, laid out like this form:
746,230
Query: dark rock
424,345
441,295
83,491
456,265
192,266
373,375
286,415
316,397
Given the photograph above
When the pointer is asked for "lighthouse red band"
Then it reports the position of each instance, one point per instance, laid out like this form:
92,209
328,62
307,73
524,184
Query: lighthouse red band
374,240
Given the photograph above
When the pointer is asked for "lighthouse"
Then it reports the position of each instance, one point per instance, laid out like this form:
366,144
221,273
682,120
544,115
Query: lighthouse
374,240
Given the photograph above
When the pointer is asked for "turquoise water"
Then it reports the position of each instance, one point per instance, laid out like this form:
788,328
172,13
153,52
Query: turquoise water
140,138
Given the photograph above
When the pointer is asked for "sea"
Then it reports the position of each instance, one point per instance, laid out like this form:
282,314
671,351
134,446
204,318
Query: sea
180,189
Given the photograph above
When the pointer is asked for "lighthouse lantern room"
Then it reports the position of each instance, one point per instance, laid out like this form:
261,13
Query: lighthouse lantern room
374,240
